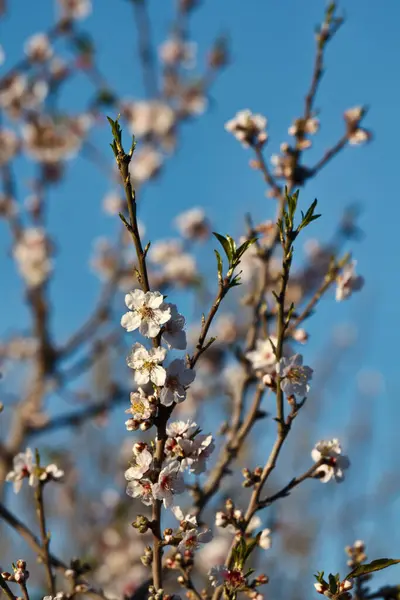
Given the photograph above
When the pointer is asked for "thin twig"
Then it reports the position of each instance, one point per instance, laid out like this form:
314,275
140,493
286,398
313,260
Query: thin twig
45,536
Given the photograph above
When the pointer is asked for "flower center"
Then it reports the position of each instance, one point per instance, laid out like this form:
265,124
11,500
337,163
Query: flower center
146,313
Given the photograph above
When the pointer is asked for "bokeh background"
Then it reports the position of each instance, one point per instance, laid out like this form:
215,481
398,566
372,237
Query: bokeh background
353,345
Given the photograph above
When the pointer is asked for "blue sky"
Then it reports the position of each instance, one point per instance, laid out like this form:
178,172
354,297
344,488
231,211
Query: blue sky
272,54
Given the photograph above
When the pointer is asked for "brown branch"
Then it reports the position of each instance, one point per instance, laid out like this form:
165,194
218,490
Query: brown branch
28,536
292,484
45,537
6,589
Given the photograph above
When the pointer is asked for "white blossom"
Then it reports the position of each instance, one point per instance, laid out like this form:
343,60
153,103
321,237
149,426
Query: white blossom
181,269
164,250
24,467
175,51
174,334
145,164
150,117
9,145
220,519
263,356
146,364
141,465
177,511
193,538
38,48
148,312
295,376
335,461
184,429
264,540
76,9
195,452
140,409
348,282
193,224
177,379
113,203
52,472
32,255
220,575
248,128
170,482
141,489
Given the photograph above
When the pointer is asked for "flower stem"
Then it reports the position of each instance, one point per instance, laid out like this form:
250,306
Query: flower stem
45,538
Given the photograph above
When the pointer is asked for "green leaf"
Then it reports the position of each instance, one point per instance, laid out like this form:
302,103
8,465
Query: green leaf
375,565
226,246
242,249
309,216
232,244
219,264
332,583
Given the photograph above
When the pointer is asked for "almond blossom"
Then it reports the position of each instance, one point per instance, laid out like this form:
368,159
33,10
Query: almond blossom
356,135
170,482
181,270
9,145
146,164
150,118
38,49
263,355
193,224
264,541
51,473
175,51
141,409
184,429
193,538
295,376
348,282
174,334
32,255
147,312
24,467
248,128
76,9
141,489
146,364
162,251
335,464
221,575
191,519
140,465
177,379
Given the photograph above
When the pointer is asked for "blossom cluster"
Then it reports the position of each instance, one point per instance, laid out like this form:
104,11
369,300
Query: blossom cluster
185,448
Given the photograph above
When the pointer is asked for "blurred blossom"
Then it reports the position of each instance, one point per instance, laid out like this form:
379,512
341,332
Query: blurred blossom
263,355
113,204
248,128
105,259
151,117
162,251
226,329
335,461
193,224
51,142
348,282
146,164
193,102
181,270
37,48
76,9
356,135
32,255
175,52
9,145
